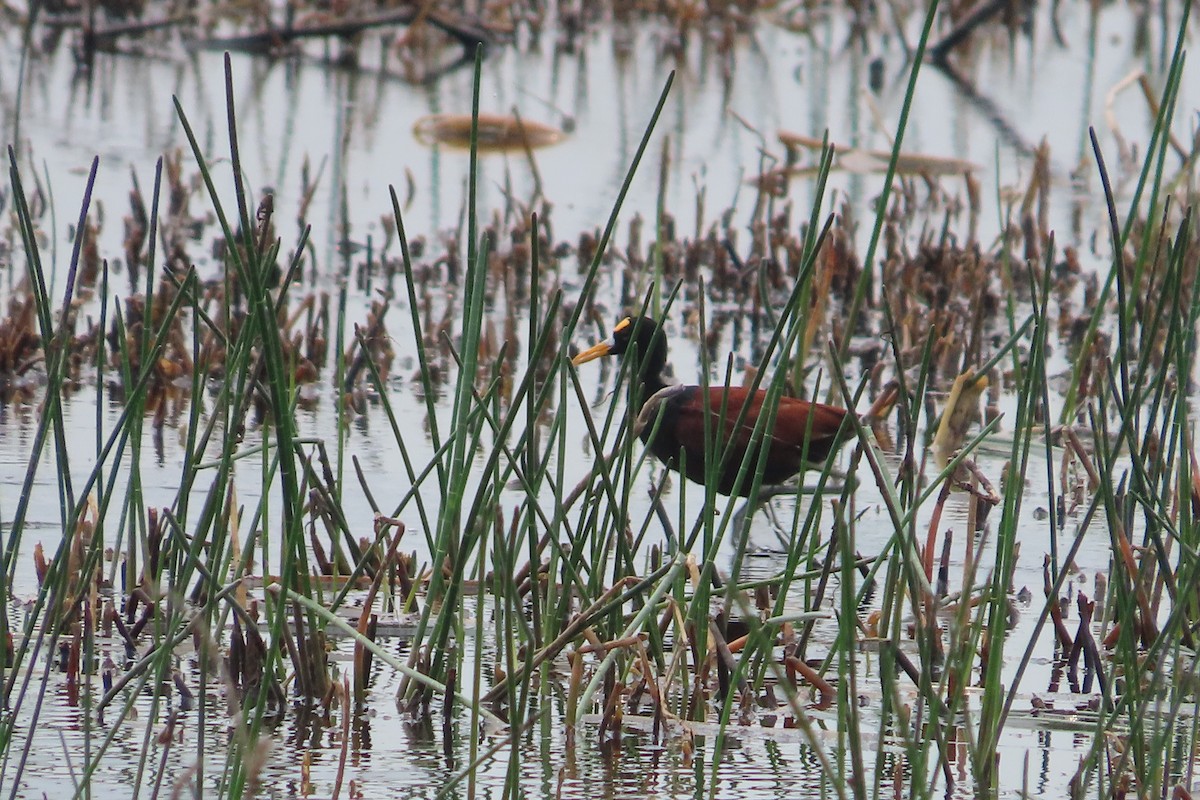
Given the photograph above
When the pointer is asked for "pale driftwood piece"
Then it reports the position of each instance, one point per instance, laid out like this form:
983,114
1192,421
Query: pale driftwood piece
854,159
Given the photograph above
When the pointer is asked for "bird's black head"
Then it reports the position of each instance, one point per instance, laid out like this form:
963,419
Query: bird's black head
640,334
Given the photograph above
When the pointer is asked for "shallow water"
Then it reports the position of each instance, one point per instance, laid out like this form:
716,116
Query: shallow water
354,129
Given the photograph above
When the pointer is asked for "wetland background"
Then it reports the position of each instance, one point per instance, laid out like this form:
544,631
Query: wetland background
304,387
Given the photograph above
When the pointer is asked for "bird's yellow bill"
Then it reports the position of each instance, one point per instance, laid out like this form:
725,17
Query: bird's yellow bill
598,350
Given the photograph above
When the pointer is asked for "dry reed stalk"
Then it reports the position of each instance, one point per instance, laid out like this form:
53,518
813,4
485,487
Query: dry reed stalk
1065,642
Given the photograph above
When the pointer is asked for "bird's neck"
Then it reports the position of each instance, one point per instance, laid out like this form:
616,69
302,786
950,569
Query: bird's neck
653,360
652,382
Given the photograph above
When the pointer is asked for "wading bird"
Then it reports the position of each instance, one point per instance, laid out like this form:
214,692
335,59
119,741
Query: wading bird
678,438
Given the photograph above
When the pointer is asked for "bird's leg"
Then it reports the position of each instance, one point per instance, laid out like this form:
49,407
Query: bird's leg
776,526
742,516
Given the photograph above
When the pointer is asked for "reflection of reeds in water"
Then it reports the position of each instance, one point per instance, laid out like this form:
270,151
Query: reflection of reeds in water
540,591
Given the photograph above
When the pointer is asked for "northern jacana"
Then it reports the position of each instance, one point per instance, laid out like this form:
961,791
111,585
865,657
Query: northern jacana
681,430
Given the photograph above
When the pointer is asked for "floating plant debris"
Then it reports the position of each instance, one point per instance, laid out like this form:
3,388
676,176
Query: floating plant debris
496,132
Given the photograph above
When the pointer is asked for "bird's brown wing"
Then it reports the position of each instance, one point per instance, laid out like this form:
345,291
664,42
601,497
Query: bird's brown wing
792,424
684,429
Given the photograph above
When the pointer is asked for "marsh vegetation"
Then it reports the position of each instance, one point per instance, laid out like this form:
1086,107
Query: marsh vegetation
310,501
